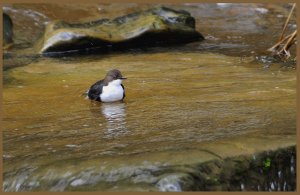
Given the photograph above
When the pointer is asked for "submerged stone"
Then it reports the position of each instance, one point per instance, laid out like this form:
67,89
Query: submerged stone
159,26
176,182
7,29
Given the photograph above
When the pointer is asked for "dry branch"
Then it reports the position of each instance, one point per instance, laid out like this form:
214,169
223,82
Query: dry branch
286,22
281,48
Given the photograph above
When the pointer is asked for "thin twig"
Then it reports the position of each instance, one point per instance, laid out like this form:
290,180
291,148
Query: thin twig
290,41
286,22
273,48
281,48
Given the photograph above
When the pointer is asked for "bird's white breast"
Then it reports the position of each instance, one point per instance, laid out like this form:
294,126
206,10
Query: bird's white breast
112,92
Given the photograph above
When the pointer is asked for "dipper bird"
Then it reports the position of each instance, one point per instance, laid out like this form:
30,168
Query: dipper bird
109,89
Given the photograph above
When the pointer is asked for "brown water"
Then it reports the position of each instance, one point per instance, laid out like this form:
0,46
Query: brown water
183,106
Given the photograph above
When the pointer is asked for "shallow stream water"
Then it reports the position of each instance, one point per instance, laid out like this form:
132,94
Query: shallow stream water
183,105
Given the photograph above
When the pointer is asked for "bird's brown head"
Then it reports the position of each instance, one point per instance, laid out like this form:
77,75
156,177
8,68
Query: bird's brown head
113,75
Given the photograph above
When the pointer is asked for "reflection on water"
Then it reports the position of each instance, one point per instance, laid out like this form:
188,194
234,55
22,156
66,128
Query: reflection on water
116,119
110,117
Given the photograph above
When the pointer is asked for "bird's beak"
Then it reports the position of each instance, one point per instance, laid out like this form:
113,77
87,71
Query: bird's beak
123,78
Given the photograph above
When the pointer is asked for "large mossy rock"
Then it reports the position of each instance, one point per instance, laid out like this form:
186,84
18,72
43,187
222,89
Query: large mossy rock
159,26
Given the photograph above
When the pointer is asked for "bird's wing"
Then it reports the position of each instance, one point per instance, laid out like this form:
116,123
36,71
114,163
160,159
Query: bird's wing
95,90
123,91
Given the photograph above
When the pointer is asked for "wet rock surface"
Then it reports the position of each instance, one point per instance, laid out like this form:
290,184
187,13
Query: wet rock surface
154,27
264,171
